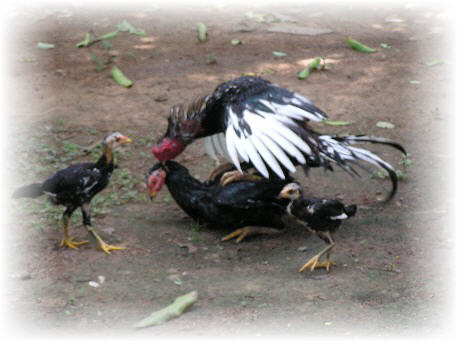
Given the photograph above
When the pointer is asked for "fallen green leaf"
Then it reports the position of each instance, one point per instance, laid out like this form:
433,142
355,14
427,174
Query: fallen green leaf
315,64
336,123
175,309
268,71
202,33
125,26
435,62
120,78
100,64
279,54
355,45
260,18
42,45
109,35
385,46
85,42
304,73
236,42
414,82
384,124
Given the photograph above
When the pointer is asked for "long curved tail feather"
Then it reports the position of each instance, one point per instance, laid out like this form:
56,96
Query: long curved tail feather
340,151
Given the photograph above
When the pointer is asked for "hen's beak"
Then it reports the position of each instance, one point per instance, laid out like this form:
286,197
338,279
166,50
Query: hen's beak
152,194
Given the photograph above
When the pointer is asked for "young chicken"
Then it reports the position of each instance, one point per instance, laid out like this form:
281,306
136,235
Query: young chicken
320,216
75,187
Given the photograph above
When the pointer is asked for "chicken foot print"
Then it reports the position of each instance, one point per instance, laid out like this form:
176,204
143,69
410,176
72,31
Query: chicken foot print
242,233
68,240
237,176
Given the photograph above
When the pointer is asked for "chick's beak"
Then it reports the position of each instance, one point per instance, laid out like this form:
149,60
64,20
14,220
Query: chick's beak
283,194
125,140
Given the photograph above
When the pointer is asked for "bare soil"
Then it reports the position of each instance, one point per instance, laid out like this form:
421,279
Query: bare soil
389,279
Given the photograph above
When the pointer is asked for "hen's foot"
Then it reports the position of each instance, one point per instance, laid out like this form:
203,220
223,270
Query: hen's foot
107,247
70,243
242,233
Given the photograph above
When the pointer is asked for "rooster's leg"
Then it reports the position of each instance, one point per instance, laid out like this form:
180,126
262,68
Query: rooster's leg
237,176
242,233
219,170
68,240
87,224
315,263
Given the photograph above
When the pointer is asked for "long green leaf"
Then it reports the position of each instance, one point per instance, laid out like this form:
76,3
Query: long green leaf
174,310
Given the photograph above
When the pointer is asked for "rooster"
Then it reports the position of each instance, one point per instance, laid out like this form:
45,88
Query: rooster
75,187
252,120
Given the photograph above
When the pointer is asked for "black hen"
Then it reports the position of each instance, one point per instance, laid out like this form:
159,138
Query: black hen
253,120
247,204
321,216
75,187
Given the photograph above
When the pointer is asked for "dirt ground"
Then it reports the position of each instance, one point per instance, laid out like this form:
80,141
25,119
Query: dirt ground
389,280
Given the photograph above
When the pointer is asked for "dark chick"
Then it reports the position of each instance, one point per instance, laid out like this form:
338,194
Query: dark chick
249,119
321,216
75,186
248,206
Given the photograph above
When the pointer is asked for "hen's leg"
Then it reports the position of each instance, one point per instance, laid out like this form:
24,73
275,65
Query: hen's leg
242,233
87,224
68,240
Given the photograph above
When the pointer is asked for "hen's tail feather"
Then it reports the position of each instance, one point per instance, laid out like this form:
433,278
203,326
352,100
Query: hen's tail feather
32,191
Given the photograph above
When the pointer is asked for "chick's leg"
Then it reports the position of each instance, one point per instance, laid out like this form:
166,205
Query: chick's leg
87,224
242,233
68,241
315,263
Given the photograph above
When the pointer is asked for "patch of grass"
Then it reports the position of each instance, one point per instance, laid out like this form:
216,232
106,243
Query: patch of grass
195,232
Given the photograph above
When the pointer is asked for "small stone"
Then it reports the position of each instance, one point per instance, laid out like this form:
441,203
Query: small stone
161,98
93,284
302,249
101,279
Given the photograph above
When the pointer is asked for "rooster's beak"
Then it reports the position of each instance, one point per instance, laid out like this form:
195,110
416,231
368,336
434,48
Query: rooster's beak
152,195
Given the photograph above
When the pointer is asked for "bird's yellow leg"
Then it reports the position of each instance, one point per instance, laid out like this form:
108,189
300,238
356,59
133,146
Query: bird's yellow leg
315,263
68,241
220,169
102,244
242,233
237,176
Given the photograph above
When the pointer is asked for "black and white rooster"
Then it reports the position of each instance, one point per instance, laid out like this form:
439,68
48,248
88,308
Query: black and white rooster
253,120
